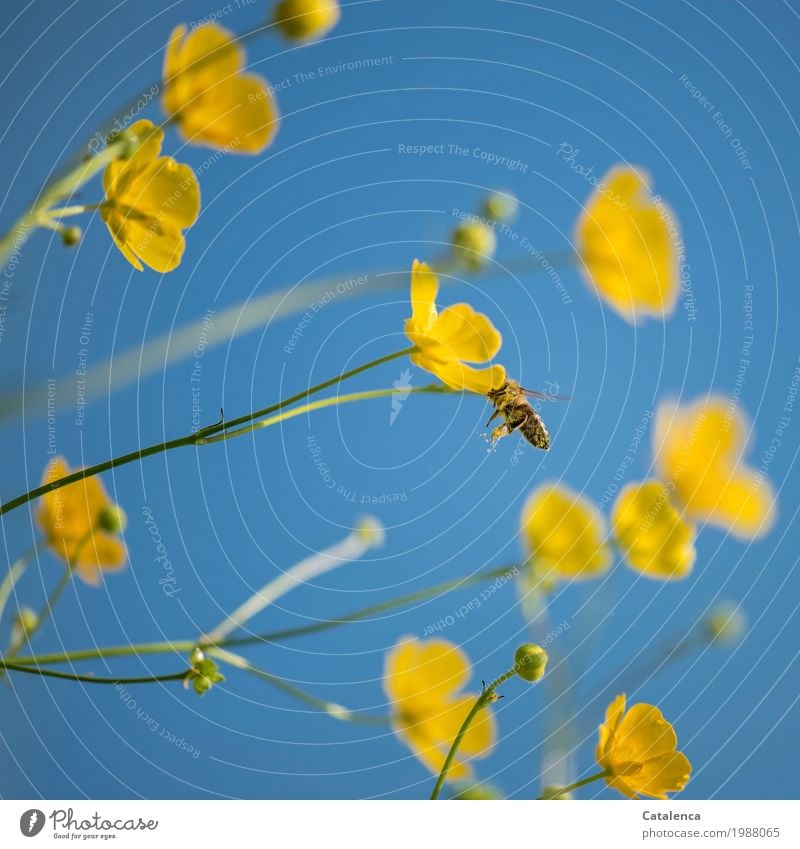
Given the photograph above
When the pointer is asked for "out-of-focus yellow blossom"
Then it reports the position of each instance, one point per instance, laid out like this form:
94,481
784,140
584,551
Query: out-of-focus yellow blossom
422,680
474,244
725,623
627,242
650,532
565,534
307,20
699,449
213,102
150,200
72,519
638,748
447,340
500,206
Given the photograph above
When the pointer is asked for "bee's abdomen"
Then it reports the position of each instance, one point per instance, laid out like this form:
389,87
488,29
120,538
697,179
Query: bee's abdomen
535,432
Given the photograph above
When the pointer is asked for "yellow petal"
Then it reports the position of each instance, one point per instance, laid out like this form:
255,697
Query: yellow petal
238,114
699,448
119,174
116,226
424,288
101,553
194,62
432,669
614,713
460,376
430,752
668,773
565,533
650,532
166,190
628,245
466,335
157,244
643,734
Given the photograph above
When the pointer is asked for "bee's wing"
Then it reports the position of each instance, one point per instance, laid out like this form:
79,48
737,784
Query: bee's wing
545,396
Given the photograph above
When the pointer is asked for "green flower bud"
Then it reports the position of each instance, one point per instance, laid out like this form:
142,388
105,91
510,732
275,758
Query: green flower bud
71,236
474,243
500,206
725,623
203,674
530,661
26,620
112,519
306,20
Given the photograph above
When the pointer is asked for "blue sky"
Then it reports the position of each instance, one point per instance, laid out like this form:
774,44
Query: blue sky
703,98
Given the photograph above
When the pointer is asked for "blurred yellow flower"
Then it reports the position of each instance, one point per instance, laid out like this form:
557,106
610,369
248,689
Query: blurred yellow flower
565,534
307,20
446,340
75,519
699,449
150,200
209,97
421,680
650,532
627,241
638,748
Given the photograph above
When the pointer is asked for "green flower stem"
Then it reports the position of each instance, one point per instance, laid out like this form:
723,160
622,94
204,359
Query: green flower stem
90,679
187,646
582,783
16,571
331,708
58,190
198,438
485,698
321,405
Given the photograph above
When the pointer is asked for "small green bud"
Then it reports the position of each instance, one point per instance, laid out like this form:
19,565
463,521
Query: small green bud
71,236
26,620
203,674
530,661
474,243
500,206
113,519
725,623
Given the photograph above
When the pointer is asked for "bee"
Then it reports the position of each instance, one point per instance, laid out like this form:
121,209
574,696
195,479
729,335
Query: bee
511,402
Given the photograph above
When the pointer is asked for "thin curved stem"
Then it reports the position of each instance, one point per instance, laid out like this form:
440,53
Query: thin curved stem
187,646
582,783
196,438
90,679
15,572
333,709
485,698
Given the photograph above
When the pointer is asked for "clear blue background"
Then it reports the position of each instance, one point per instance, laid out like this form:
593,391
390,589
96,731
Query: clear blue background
334,196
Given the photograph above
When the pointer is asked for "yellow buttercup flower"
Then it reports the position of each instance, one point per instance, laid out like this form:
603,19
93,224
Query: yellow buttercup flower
74,521
213,102
651,533
447,340
307,20
638,748
627,242
565,534
422,680
150,200
699,449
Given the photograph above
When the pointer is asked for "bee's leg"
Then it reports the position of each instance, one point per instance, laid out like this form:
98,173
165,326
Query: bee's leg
511,424
493,416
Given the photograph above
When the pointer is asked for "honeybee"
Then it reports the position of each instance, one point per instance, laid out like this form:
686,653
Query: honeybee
511,402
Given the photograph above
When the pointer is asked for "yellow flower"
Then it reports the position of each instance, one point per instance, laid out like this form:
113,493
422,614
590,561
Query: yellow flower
150,200
638,748
445,341
627,243
699,449
73,520
650,532
422,680
307,20
213,102
565,534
